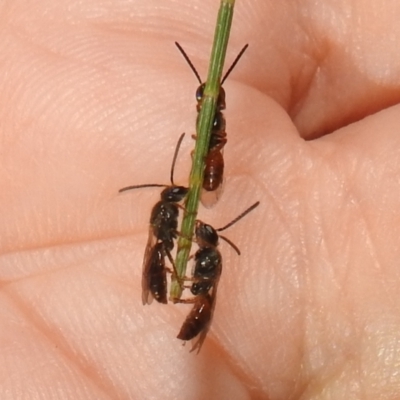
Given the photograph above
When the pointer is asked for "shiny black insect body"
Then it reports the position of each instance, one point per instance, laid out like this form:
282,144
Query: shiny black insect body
162,233
154,278
206,273
214,162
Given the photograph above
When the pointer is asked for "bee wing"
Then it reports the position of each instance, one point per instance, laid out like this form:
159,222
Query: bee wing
147,297
209,199
198,343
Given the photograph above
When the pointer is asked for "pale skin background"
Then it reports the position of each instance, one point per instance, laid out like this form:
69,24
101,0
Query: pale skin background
93,98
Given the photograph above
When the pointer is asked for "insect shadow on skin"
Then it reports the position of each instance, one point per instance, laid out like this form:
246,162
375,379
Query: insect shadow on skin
162,233
214,162
205,278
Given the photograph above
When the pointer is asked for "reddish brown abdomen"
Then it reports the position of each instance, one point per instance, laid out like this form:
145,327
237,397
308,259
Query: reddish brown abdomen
198,318
214,170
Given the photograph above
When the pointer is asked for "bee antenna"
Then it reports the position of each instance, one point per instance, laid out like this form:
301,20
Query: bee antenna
185,56
239,217
234,63
178,145
233,245
140,186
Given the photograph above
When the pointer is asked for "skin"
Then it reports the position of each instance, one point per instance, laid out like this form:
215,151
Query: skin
94,97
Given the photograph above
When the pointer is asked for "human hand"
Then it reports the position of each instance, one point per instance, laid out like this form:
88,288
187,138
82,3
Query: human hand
94,98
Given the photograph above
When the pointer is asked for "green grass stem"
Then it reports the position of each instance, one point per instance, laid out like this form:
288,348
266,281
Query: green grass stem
203,132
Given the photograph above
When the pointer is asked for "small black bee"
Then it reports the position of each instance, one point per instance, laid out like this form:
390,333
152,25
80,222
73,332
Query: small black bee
214,162
162,233
206,273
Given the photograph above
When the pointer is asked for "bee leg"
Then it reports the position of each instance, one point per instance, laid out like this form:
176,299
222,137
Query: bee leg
184,209
177,233
174,272
185,301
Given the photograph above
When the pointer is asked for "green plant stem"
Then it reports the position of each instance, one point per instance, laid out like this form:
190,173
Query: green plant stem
204,126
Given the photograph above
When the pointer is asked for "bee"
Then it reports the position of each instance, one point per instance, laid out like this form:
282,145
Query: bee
162,233
206,274
214,162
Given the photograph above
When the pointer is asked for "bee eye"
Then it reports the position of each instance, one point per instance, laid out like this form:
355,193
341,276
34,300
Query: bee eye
200,92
